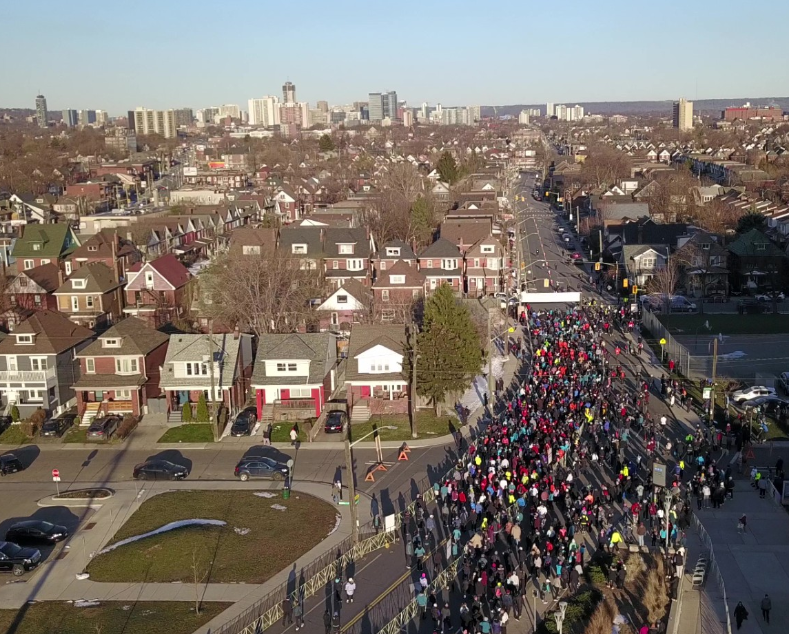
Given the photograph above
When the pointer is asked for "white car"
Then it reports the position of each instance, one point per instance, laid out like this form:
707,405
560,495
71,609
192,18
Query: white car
769,297
746,394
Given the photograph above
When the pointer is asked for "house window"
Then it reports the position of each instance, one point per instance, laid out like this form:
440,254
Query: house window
148,279
383,265
648,263
250,249
387,315
45,261
89,301
415,293
493,264
448,264
29,264
335,265
705,246
123,395
346,249
385,295
476,263
90,365
298,248
429,264
35,396
487,248
342,299
38,363
300,392
36,299
761,246
355,265
286,367
36,246
111,343
74,303
195,368
24,339
11,360
126,366
393,252
397,279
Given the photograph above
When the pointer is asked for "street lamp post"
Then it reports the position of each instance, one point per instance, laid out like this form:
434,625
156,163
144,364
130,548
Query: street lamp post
534,609
668,499
559,616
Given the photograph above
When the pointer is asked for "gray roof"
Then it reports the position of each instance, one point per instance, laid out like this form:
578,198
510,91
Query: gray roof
296,346
441,248
630,251
311,236
184,348
406,252
614,210
339,235
364,337
136,336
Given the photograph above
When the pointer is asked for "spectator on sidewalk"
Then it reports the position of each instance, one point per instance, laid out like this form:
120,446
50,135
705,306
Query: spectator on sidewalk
350,588
766,606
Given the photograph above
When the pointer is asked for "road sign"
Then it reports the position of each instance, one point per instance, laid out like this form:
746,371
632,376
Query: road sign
511,329
663,342
55,475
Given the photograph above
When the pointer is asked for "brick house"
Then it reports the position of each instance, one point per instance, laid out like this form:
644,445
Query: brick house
119,372
285,206
347,255
349,304
106,247
396,290
156,291
92,296
484,265
44,244
390,254
32,289
442,263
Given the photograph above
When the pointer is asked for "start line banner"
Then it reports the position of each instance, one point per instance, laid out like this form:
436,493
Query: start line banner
550,298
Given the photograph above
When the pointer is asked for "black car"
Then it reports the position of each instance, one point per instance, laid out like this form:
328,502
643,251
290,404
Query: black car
56,427
244,423
14,558
103,428
334,422
160,470
260,468
36,532
9,463
5,423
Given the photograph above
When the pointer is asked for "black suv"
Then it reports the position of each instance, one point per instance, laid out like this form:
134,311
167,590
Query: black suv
103,428
244,423
14,558
9,463
56,426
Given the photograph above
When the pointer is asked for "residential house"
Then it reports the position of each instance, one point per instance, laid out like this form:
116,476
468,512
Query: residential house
107,247
642,262
465,233
294,375
38,365
484,267
304,243
755,263
286,205
187,371
441,191
396,290
253,240
390,254
119,371
44,244
92,296
157,291
374,379
442,263
618,210
347,255
703,262
32,289
349,304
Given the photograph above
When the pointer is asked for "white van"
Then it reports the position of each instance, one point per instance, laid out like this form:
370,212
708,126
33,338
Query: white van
657,302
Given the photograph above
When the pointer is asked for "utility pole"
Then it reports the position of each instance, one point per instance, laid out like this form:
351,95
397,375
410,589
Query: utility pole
714,376
491,346
351,486
212,353
412,395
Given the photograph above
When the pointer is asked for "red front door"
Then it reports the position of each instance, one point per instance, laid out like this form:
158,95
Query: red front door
365,391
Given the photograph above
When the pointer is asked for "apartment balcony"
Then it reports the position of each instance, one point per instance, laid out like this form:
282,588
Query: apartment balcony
47,376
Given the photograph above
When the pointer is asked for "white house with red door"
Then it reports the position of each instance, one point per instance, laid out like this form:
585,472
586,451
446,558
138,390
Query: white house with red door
294,375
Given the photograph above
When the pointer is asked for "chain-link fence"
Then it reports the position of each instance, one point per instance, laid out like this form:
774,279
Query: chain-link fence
713,569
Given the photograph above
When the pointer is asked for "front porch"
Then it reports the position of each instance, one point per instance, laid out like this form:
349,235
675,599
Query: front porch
379,398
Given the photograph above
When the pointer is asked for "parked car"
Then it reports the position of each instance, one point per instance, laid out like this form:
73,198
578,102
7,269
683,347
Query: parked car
768,403
159,470
748,393
244,423
768,297
56,426
9,463
260,468
5,423
334,422
103,428
677,303
576,257
783,381
14,558
36,532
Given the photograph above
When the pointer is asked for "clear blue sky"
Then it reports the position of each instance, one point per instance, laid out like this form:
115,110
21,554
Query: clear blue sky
169,53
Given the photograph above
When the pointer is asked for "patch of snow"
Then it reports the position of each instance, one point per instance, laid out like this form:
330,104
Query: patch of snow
226,430
337,521
255,429
167,527
241,531
279,507
732,356
265,494
127,608
86,603
81,576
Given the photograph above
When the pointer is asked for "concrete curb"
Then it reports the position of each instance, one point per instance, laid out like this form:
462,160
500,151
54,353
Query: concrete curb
94,503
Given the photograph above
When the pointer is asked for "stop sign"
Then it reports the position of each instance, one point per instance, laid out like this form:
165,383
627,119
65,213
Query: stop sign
55,473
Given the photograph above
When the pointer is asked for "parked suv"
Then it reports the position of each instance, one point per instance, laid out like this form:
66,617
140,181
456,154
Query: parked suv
14,558
103,428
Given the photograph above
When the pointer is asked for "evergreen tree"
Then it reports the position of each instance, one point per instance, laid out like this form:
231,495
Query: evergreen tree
422,220
202,409
186,413
448,168
751,220
449,350
325,143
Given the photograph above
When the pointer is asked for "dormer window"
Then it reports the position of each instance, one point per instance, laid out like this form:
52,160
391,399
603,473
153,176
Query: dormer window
111,343
36,246
76,284
487,248
24,340
705,246
393,252
397,279
298,248
342,299
92,247
346,249
761,246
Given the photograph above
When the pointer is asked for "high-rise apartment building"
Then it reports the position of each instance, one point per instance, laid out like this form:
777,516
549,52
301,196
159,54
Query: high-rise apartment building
154,122
549,110
42,118
121,140
474,115
70,118
375,106
288,92
390,104
229,110
683,115
523,117
207,116
183,117
102,118
87,117
408,117
264,111
323,106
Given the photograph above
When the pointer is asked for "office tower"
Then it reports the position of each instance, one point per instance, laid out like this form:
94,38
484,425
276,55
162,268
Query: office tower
549,110
183,117
423,110
323,106
229,110
87,117
101,117
70,118
523,117
41,111
390,104
683,115
264,111
155,122
338,116
375,106
288,92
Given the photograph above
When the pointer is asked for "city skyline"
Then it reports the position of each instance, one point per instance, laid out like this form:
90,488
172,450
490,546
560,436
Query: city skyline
506,72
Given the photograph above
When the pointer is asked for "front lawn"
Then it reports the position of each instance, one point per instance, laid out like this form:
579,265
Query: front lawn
765,324
190,432
154,617
275,539
78,434
427,426
14,436
280,432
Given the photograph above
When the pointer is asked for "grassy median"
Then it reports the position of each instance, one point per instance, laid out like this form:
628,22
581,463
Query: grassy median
275,539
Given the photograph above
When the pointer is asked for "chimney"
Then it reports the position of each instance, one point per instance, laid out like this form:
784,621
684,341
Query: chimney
640,234
60,277
236,333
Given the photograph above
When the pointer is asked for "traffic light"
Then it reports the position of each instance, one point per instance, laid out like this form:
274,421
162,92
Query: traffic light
625,283
546,283
635,289
597,266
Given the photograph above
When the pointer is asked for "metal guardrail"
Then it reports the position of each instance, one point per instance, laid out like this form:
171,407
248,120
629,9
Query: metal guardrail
707,541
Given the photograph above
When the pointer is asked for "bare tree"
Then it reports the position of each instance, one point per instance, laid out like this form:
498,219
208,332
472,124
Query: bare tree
716,216
199,576
263,293
665,280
